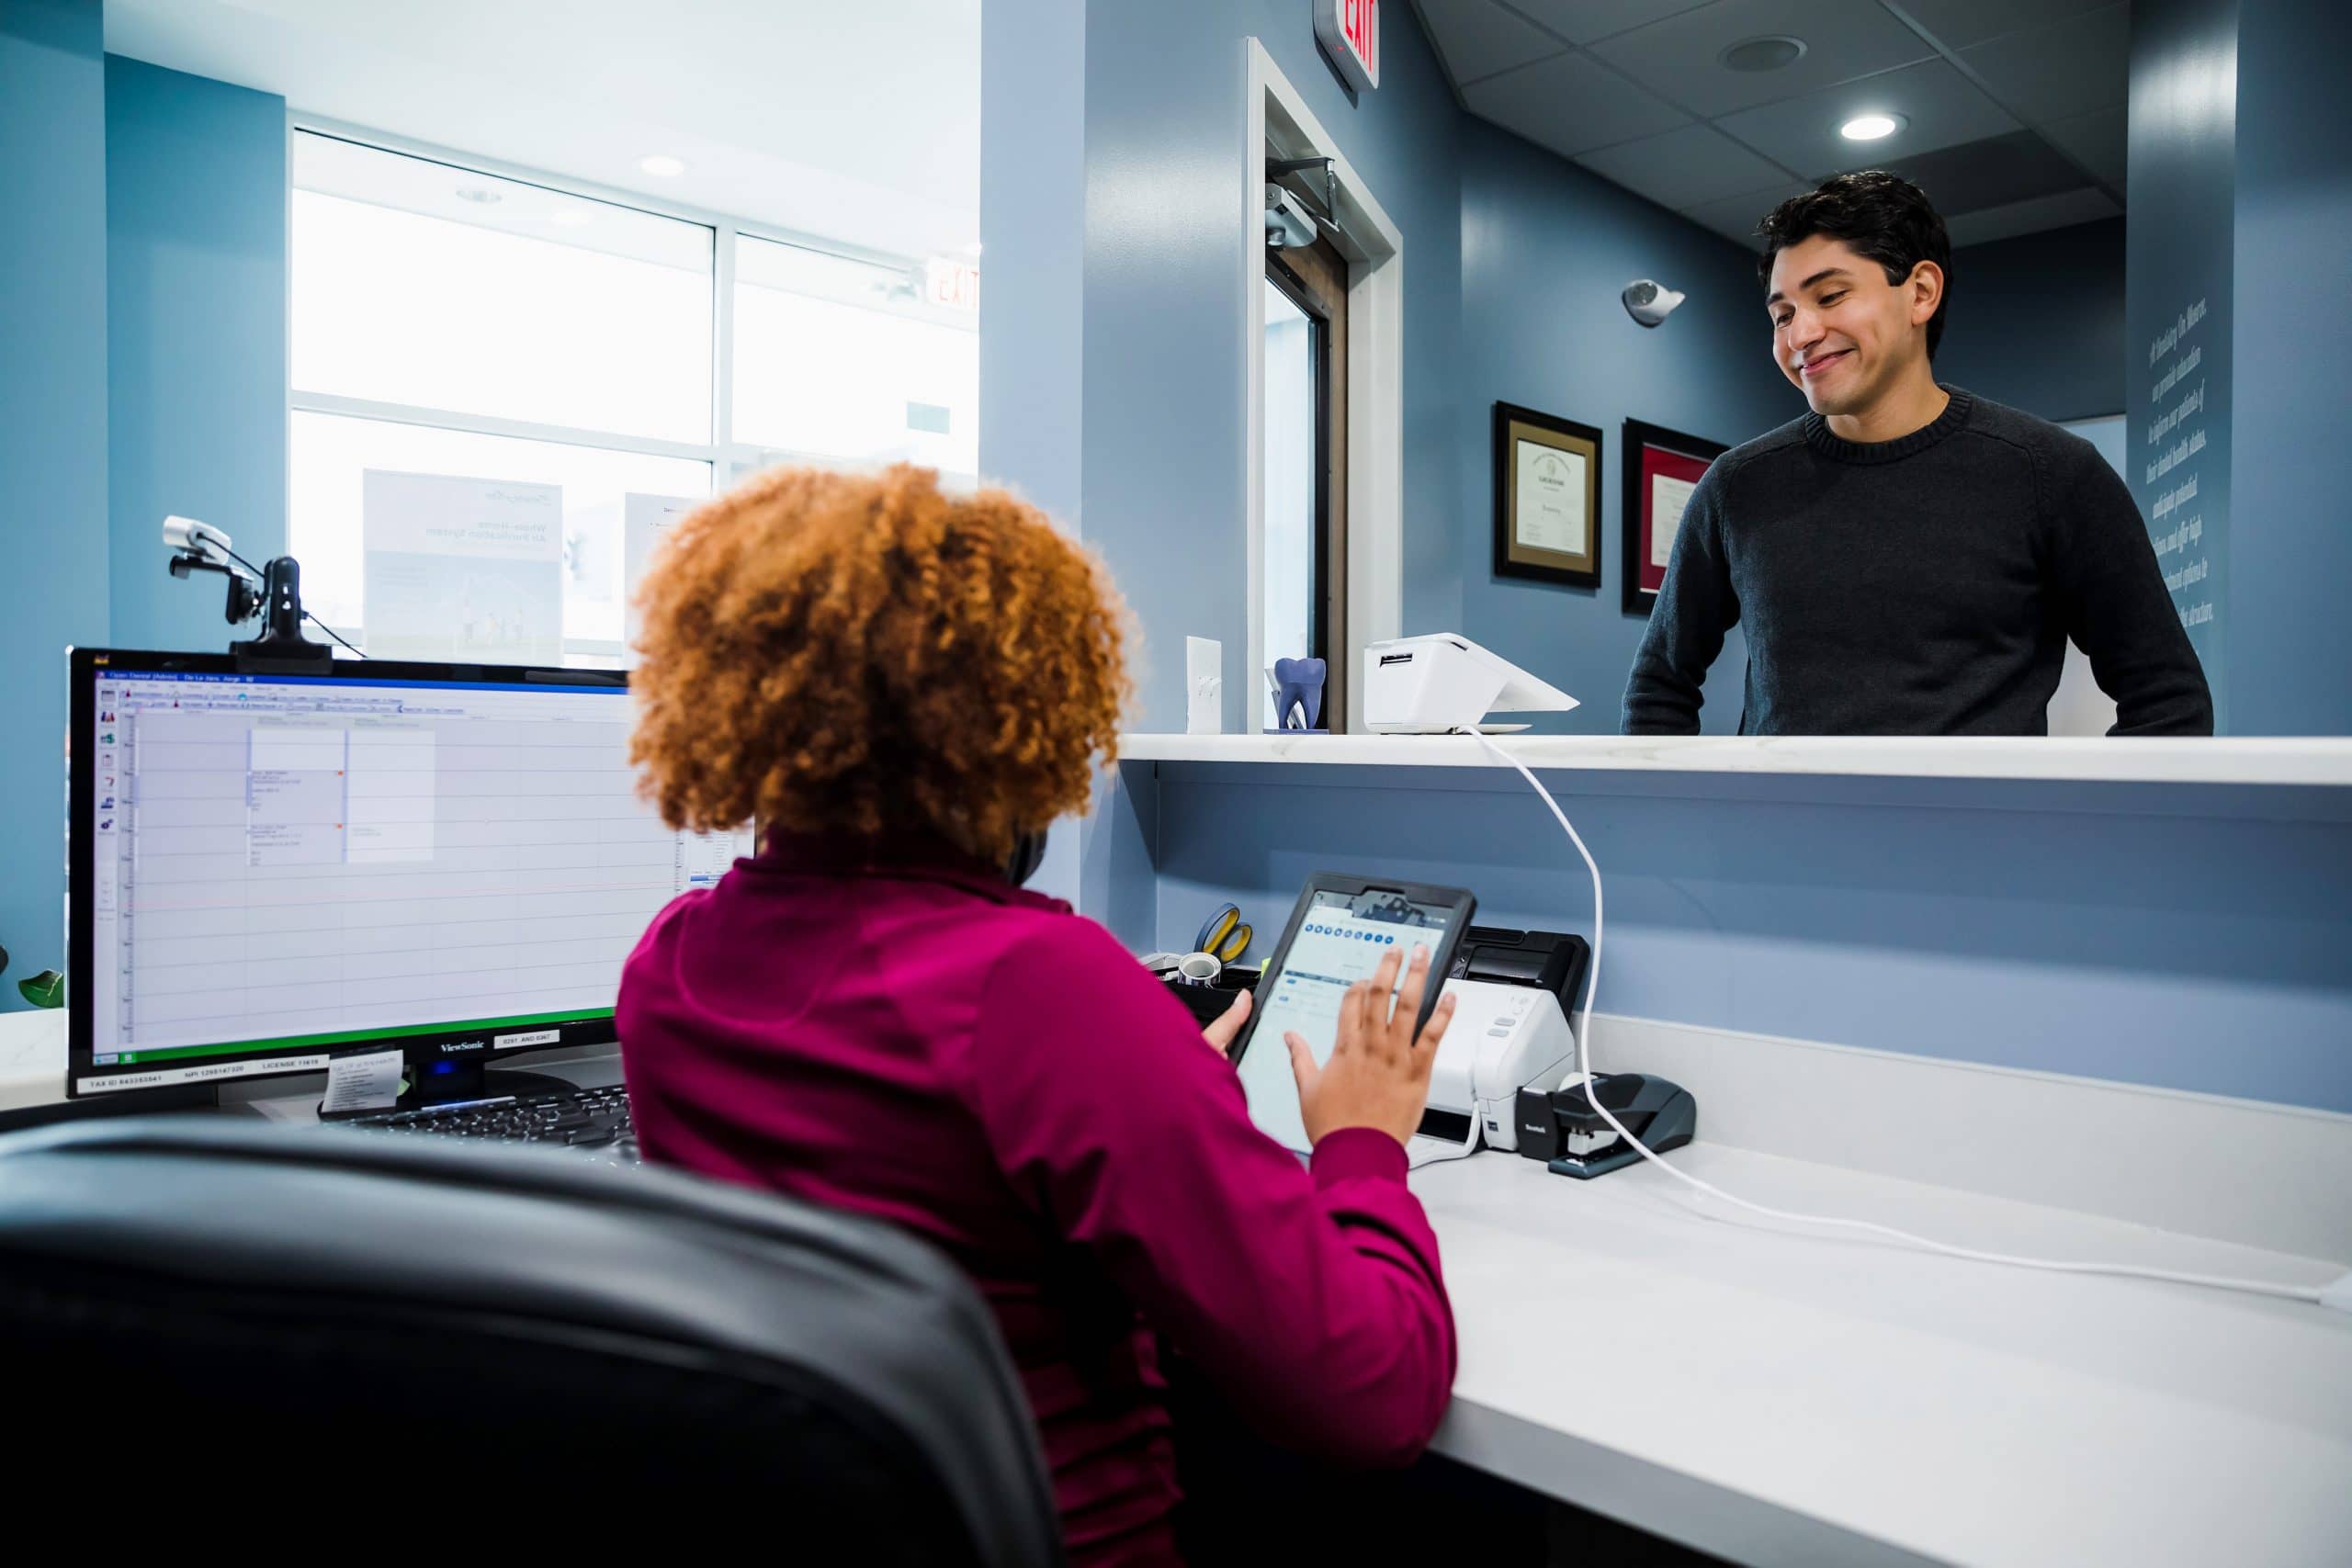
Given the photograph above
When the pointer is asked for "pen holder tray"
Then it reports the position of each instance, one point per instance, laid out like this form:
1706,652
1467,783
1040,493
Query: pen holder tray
1209,1002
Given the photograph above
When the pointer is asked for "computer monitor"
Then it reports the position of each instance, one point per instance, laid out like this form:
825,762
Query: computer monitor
265,868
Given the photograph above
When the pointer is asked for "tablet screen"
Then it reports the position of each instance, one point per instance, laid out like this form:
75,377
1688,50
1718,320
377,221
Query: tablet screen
1341,939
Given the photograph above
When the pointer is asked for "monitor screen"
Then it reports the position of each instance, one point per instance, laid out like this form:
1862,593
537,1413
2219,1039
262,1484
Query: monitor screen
450,857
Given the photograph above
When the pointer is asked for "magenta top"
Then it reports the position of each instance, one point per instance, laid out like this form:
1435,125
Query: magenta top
909,1036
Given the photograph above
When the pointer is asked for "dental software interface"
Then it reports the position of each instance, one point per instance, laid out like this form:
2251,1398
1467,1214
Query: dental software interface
1340,941
282,862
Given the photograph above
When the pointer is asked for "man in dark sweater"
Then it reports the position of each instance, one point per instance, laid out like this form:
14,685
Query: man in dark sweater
1906,558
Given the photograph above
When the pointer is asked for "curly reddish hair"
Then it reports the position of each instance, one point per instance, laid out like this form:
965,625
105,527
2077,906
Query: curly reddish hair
839,652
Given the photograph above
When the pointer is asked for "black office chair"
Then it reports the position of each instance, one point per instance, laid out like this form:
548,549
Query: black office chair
371,1333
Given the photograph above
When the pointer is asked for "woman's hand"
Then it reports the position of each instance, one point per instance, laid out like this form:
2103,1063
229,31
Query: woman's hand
1377,1074
1227,1027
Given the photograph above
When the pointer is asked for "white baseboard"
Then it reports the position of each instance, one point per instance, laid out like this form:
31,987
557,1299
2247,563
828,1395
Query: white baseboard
2275,1177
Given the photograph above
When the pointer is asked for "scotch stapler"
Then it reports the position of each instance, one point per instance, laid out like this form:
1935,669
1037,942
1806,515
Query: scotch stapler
1563,1128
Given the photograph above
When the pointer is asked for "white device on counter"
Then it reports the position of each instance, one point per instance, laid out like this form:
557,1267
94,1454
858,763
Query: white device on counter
1443,682
1505,1037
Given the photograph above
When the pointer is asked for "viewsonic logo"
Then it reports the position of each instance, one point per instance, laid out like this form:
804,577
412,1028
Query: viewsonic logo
452,1047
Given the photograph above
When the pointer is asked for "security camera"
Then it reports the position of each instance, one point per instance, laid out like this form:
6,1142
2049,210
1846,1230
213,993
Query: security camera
1647,303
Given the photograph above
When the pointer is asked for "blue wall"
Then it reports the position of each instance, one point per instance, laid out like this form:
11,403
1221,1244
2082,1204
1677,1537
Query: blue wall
1164,312
2191,938
2037,321
196,337
1033,232
52,437
1545,249
2290,539
143,310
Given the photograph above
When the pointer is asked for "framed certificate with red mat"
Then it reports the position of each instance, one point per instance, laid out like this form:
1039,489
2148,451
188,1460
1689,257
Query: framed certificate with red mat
1662,468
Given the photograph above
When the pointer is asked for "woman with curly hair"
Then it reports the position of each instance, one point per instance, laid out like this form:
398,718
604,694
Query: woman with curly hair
905,689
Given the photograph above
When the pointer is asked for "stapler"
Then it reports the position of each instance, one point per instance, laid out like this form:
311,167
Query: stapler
1561,1127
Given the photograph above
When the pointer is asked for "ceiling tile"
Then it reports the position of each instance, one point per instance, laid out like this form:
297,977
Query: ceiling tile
1735,217
1571,105
1941,107
1676,57
1996,171
2059,211
1478,37
2100,138
2060,71
1957,24
1581,21
1684,167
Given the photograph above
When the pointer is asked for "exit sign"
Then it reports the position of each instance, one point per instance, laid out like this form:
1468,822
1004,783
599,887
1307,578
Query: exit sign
1350,30
954,284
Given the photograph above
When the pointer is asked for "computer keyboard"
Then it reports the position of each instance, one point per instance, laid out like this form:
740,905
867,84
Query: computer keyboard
594,1121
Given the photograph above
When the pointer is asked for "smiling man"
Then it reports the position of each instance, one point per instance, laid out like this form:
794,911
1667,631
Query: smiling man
1906,558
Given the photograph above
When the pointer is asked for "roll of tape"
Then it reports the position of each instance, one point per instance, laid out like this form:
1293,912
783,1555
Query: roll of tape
1199,968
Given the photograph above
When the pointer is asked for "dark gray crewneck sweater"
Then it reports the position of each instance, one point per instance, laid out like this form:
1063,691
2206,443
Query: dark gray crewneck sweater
1921,586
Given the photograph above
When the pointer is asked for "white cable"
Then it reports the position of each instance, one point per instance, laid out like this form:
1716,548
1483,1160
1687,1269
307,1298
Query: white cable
1584,1055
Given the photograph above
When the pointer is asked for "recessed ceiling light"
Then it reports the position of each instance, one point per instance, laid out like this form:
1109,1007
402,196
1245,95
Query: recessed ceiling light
1870,126
482,196
663,164
1770,52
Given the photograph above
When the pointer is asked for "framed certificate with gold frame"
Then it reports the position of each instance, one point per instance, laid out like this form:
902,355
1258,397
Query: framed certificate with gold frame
1547,498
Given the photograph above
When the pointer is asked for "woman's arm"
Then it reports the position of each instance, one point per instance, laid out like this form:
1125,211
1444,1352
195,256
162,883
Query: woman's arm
1311,1298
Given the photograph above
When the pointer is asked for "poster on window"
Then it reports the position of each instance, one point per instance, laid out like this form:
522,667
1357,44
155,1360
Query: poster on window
645,519
1662,469
461,568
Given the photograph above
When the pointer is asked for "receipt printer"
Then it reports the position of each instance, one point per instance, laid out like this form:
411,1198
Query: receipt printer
1512,992
1563,1128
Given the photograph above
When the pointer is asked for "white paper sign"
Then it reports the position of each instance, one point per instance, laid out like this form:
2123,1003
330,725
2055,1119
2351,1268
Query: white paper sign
644,519
463,568
1204,686
371,1082
1550,500
1669,497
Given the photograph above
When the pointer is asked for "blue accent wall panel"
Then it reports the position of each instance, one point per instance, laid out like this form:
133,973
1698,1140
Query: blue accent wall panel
2180,305
2190,938
2037,321
1033,233
2290,538
1166,259
1545,249
52,438
196,337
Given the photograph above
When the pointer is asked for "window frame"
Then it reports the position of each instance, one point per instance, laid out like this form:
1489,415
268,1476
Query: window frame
1318,290
731,460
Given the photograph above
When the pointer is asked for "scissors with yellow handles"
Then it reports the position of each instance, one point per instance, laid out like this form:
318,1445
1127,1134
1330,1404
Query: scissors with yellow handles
1224,935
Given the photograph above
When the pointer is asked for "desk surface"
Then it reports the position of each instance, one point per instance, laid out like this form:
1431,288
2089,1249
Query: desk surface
1794,1399
1791,1398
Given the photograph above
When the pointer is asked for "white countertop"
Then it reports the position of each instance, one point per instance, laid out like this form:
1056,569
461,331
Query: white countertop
1791,1399
2325,761
1778,1398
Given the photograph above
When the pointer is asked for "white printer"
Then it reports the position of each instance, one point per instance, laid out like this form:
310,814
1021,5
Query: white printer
1514,994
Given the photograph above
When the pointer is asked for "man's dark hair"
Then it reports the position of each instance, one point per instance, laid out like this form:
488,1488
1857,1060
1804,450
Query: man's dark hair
1879,215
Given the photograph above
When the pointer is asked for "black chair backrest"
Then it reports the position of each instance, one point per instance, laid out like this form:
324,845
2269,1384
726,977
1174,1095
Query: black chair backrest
195,1309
